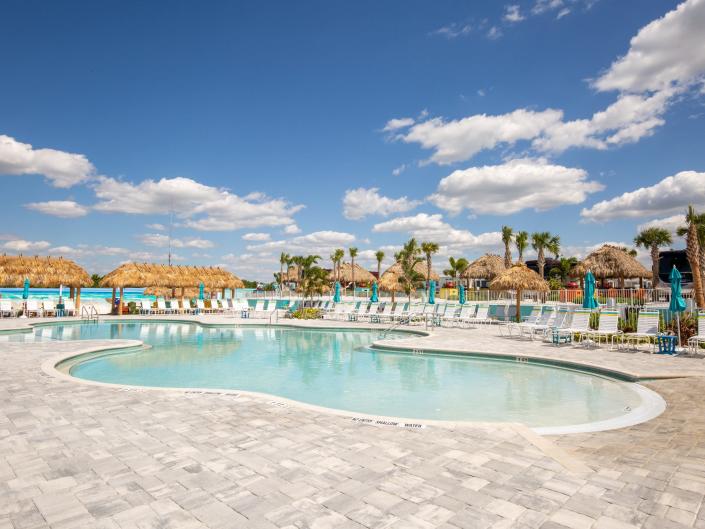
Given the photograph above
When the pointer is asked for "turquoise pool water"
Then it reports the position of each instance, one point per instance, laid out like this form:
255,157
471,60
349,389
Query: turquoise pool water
337,369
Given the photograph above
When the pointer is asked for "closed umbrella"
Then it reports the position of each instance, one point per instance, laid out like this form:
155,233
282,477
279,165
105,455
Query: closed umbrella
375,297
461,294
25,291
201,287
432,292
677,304
589,301
336,296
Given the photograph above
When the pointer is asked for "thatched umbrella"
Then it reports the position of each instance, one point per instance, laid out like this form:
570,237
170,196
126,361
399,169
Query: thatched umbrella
519,278
43,272
346,274
420,268
486,267
611,262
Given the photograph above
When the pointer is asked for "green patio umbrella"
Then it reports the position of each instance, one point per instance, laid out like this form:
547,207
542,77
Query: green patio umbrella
336,296
432,292
375,296
201,287
677,304
25,290
461,294
589,301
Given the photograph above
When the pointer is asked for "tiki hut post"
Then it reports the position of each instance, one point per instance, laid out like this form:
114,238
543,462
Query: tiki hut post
122,301
112,305
78,298
72,292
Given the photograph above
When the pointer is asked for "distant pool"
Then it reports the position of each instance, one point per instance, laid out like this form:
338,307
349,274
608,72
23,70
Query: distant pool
338,369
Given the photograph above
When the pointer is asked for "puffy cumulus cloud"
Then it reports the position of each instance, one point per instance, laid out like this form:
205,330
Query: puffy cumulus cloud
62,169
424,226
458,140
200,206
668,51
292,229
670,224
255,266
159,240
152,257
359,203
669,196
156,227
512,13
398,123
21,245
67,209
319,242
256,237
513,186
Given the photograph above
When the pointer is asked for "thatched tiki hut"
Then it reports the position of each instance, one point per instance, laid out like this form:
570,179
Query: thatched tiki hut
611,262
519,278
170,277
486,267
389,281
43,272
362,276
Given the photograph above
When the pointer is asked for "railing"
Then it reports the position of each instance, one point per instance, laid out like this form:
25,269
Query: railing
89,313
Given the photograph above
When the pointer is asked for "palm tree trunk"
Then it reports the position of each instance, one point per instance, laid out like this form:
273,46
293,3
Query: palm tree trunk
654,266
428,274
507,256
352,271
541,262
518,314
693,253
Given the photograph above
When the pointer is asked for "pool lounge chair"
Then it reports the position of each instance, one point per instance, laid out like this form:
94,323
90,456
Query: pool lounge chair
646,330
69,307
48,308
695,341
162,308
550,317
466,313
6,309
450,316
607,329
515,327
32,307
258,310
580,323
482,315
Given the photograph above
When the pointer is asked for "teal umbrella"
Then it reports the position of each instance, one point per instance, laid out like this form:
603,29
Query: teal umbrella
461,294
25,291
200,291
589,301
677,304
432,292
336,296
375,297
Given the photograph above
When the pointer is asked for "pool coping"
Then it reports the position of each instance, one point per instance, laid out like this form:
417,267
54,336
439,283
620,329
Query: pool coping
652,403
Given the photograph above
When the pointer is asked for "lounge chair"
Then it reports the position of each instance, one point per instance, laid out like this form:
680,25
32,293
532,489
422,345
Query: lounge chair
6,309
512,327
607,329
48,308
333,312
32,307
547,319
162,308
482,315
450,316
466,314
695,341
646,329
580,323
69,307
370,314
258,311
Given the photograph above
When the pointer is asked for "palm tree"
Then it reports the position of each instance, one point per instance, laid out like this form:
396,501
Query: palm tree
313,278
429,248
554,246
521,240
379,255
283,261
564,267
95,280
409,258
353,253
456,267
339,253
541,241
507,234
652,239
695,235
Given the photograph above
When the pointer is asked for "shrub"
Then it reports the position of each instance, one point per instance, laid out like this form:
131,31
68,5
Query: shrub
306,314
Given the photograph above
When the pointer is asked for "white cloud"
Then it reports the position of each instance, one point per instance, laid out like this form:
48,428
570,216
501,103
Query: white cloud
151,257
542,6
159,240
513,186
399,170
156,227
319,242
84,250
494,33
359,203
292,229
453,31
21,245
398,123
256,236
669,196
512,13
67,209
670,224
668,51
433,228
63,169
200,206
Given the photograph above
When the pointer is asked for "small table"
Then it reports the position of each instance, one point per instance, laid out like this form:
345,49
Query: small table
559,336
666,344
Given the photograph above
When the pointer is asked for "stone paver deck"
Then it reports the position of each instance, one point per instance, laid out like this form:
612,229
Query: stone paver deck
79,455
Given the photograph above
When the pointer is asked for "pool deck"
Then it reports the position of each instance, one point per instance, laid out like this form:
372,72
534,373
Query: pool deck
78,455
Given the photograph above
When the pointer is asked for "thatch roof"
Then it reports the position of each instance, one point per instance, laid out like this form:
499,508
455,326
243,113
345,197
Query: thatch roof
346,276
420,268
156,275
291,275
42,272
519,277
611,262
488,267
165,292
390,282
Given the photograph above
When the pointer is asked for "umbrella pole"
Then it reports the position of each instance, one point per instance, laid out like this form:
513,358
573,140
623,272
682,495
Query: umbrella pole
678,322
518,314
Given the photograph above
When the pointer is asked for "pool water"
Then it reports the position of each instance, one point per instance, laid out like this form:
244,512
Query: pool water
337,369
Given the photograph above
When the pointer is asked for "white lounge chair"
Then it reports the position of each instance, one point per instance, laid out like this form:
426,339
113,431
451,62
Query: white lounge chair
258,311
646,330
695,341
450,316
482,315
580,322
69,307
607,329
466,314
48,308
545,321
516,327
6,309
32,307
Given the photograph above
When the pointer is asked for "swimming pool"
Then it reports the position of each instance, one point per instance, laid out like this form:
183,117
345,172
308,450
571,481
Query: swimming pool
338,369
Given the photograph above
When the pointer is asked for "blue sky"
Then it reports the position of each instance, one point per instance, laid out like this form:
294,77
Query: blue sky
300,127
